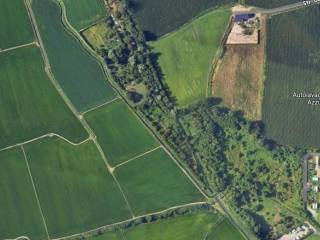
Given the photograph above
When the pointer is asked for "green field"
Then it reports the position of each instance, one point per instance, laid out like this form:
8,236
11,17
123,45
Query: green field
121,135
75,189
186,55
29,104
83,13
201,226
78,73
154,182
293,57
15,26
314,237
161,17
270,3
20,214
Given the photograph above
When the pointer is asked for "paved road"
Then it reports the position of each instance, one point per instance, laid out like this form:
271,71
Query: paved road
282,9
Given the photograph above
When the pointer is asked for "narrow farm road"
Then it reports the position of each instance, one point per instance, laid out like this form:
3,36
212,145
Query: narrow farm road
282,9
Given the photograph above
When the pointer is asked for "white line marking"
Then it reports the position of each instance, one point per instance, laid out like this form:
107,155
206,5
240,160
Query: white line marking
17,47
134,158
35,192
46,136
101,105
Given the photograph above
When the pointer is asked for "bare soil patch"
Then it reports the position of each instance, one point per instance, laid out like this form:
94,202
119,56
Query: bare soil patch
238,79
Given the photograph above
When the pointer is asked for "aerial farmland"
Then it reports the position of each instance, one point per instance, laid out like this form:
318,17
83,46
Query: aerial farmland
139,120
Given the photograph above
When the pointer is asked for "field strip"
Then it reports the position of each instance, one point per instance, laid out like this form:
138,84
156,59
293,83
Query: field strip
35,192
185,173
18,238
17,47
128,220
45,136
101,105
134,158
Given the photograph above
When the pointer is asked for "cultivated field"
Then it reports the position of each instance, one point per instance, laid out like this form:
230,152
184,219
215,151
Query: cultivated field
15,27
30,106
153,182
269,3
20,214
187,54
83,13
161,17
209,226
121,135
75,189
293,57
78,73
238,79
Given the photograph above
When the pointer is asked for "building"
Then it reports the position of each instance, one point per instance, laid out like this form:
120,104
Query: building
241,18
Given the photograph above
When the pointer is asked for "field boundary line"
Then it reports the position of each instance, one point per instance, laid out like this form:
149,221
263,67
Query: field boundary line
35,192
129,220
17,47
50,135
101,105
136,157
18,238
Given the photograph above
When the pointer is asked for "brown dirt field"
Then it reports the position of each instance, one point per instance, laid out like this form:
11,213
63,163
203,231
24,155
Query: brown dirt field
238,79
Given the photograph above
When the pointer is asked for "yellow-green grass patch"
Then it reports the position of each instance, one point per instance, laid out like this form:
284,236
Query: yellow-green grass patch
19,211
15,26
83,13
96,35
75,189
79,74
120,133
186,55
30,106
154,182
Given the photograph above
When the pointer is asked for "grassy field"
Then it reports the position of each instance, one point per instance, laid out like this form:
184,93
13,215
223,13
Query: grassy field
162,184
75,190
293,57
161,17
20,214
29,104
121,135
189,227
96,35
83,13
187,54
15,26
79,74
270,3
242,88
314,237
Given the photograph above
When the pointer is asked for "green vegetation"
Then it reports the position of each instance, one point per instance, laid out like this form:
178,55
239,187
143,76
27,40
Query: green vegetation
15,26
269,3
121,135
83,13
20,214
314,237
162,184
186,55
188,227
161,17
29,104
79,74
75,190
96,35
293,57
